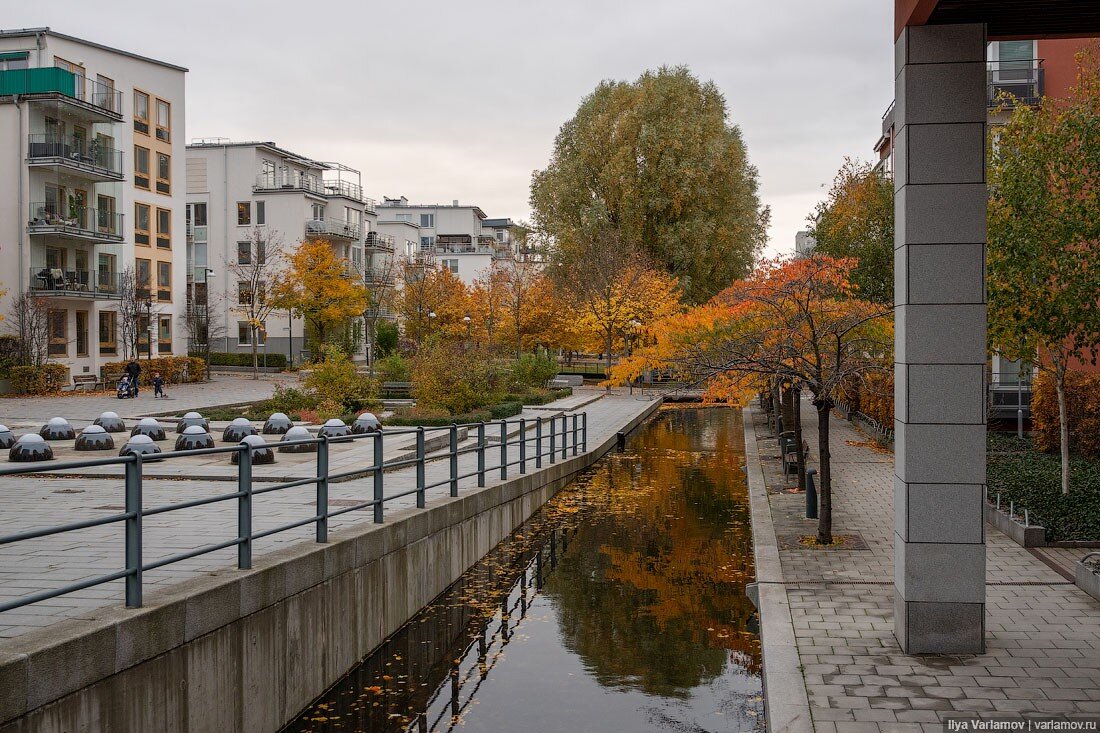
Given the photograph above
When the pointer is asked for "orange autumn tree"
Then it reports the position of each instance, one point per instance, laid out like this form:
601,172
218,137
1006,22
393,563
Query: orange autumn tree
427,289
798,320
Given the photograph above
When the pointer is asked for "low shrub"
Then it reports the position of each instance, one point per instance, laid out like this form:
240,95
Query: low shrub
244,359
393,368
174,369
434,418
39,380
455,378
1021,474
1083,409
505,410
531,370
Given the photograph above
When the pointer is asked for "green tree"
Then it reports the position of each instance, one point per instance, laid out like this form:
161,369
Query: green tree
857,220
1044,226
658,161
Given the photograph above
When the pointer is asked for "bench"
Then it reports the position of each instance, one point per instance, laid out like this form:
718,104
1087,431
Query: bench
401,390
567,380
87,382
790,452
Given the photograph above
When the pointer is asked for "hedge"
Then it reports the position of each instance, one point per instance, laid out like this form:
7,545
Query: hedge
873,395
45,379
174,369
1082,405
244,359
493,412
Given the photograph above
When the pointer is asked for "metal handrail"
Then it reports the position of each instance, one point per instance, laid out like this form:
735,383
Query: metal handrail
573,437
91,155
74,218
335,227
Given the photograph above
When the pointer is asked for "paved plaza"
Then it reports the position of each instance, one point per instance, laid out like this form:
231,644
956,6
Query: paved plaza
51,562
1042,632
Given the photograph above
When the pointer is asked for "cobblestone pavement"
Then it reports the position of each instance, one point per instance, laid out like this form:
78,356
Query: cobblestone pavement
50,562
1042,632
83,407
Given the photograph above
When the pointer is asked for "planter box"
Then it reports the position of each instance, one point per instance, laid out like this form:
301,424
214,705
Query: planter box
1088,579
1030,536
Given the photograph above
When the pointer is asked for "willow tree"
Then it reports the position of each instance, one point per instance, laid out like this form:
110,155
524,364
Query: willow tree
657,161
1044,237
856,219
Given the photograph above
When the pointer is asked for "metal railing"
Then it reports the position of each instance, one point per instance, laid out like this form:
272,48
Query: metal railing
333,227
55,80
289,180
463,249
375,240
375,276
550,445
90,155
1015,82
80,220
347,189
75,283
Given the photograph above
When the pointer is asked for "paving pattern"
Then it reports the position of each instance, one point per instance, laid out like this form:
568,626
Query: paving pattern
35,565
1043,633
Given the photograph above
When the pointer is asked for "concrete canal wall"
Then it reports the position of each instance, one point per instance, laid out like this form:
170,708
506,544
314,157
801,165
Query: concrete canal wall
247,650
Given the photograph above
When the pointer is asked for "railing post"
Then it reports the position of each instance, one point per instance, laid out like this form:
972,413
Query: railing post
564,441
454,459
133,532
420,467
522,446
575,434
538,442
481,454
378,476
244,506
503,449
584,432
553,439
322,490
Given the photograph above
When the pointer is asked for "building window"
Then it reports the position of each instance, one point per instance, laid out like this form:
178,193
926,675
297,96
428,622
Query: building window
244,293
427,243
244,334
164,173
82,333
318,212
261,213
142,270
107,222
141,112
141,224
164,120
59,332
141,167
164,228
244,213
451,265
14,60
164,281
500,235
108,343
244,253
427,220
164,334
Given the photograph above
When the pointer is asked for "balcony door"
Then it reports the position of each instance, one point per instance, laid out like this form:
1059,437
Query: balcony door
1013,61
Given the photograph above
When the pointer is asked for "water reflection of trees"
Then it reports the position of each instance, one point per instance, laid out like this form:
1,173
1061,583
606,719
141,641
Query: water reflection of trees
656,600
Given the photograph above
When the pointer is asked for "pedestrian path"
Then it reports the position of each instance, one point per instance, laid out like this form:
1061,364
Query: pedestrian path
1042,632
51,562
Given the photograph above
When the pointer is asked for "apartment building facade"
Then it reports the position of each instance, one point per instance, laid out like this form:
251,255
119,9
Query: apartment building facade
241,194
92,194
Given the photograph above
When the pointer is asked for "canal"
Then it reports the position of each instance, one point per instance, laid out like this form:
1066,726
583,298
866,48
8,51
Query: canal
619,606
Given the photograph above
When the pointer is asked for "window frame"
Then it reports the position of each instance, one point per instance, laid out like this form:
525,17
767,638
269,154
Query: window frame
261,213
164,185
145,231
87,319
57,345
430,219
109,319
161,234
166,128
140,174
244,207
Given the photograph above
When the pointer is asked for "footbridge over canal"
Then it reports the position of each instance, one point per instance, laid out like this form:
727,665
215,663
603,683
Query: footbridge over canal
300,582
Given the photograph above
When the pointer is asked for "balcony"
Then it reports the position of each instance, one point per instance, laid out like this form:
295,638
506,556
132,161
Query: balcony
381,312
56,282
379,242
77,222
90,158
289,181
376,277
346,189
101,101
333,228
462,248
1015,82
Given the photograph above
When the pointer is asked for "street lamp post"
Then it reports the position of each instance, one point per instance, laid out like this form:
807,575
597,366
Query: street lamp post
431,319
469,322
206,273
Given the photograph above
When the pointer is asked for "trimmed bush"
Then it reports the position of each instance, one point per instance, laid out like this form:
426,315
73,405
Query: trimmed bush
456,379
40,380
174,369
393,368
1083,409
530,370
244,359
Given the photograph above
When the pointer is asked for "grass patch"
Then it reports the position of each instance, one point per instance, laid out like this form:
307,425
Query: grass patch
1031,479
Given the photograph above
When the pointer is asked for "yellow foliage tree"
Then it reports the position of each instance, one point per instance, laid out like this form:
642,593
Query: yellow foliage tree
429,289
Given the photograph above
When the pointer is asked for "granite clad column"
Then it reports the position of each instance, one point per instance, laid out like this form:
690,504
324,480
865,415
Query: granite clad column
940,230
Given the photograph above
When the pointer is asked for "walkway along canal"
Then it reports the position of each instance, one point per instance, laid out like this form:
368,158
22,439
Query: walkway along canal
619,606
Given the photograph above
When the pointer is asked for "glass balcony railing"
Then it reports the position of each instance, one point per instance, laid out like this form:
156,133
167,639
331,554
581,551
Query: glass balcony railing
375,240
90,155
60,282
53,80
462,248
347,189
332,228
81,221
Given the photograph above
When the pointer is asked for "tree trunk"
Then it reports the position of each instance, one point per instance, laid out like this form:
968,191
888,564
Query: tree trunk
825,490
255,357
607,342
1063,426
801,461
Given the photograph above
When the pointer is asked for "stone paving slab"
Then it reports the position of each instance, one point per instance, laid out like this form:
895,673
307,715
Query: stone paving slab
1042,632
51,562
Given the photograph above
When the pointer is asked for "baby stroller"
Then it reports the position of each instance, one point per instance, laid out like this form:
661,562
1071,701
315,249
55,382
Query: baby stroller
126,387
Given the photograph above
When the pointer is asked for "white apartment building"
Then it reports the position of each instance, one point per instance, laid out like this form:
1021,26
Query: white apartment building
91,187
236,190
456,234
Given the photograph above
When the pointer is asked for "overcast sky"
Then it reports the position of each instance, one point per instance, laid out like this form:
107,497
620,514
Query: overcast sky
461,100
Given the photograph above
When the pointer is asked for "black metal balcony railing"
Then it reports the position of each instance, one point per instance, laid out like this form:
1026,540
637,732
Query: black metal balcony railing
332,228
82,221
75,283
375,240
1015,82
375,276
53,80
90,155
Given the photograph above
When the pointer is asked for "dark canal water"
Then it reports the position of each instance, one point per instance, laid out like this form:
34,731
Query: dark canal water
620,606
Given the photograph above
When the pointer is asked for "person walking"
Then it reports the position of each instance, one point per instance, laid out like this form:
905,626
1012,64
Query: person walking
158,386
133,370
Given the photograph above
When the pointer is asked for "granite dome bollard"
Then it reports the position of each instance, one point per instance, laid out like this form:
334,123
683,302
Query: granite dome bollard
149,427
57,428
30,448
94,437
238,430
111,422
